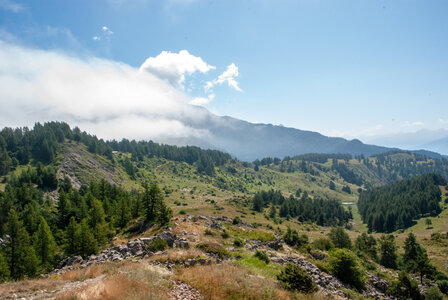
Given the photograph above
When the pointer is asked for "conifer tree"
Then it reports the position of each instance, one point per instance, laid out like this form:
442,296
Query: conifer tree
4,269
388,252
88,244
44,245
20,255
152,198
72,237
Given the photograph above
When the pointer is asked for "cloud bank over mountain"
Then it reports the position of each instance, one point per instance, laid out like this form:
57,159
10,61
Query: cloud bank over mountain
111,99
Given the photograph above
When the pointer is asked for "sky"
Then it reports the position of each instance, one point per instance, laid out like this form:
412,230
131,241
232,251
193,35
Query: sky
350,68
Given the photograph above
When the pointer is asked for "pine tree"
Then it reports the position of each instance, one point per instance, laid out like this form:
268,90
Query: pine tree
72,237
124,213
165,214
411,248
388,252
44,245
152,198
20,255
4,269
340,238
97,222
88,244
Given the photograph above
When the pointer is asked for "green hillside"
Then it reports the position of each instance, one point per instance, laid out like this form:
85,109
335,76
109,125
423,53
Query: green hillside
68,185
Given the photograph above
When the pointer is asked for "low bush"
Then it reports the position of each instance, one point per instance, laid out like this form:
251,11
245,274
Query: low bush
345,265
323,244
405,288
443,286
157,245
261,255
433,293
214,249
237,242
225,234
294,277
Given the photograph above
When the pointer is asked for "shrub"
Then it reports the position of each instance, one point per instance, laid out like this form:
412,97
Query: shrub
182,212
236,220
157,244
323,244
404,288
433,293
292,238
345,265
209,232
225,234
261,255
294,277
340,238
443,286
237,242
214,249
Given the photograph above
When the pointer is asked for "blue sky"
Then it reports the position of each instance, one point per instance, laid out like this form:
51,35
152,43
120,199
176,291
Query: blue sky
343,68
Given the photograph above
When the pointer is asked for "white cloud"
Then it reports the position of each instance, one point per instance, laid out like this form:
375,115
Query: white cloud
172,67
412,124
228,76
105,33
443,121
11,6
107,98
201,101
106,30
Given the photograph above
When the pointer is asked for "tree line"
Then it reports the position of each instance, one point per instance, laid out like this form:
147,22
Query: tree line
303,208
396,206
38,232
20,146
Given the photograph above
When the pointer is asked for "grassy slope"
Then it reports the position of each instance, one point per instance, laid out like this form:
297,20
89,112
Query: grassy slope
229,193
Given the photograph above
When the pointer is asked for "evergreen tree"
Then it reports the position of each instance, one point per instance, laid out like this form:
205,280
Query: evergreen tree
165,214
21,257
44,245
405,288
152,199
340,238
388,251
272,212
72,238
97,222
367,243
412,249
87,243
4,269
124,213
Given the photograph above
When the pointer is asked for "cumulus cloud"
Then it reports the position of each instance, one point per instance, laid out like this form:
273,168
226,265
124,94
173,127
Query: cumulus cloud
228,76
11,6
107,98
201,101
172,67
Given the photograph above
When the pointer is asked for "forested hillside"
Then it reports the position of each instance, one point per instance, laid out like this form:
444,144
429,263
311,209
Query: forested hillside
396,206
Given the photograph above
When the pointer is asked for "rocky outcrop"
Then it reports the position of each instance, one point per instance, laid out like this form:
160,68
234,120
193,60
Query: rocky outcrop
376,287
135,249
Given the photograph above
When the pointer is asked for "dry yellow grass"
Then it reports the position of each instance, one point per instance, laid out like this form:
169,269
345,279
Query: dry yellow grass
231,282
176,255
130,281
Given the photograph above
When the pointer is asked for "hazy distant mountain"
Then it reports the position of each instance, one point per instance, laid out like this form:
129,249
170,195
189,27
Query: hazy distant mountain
433,140
248,141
